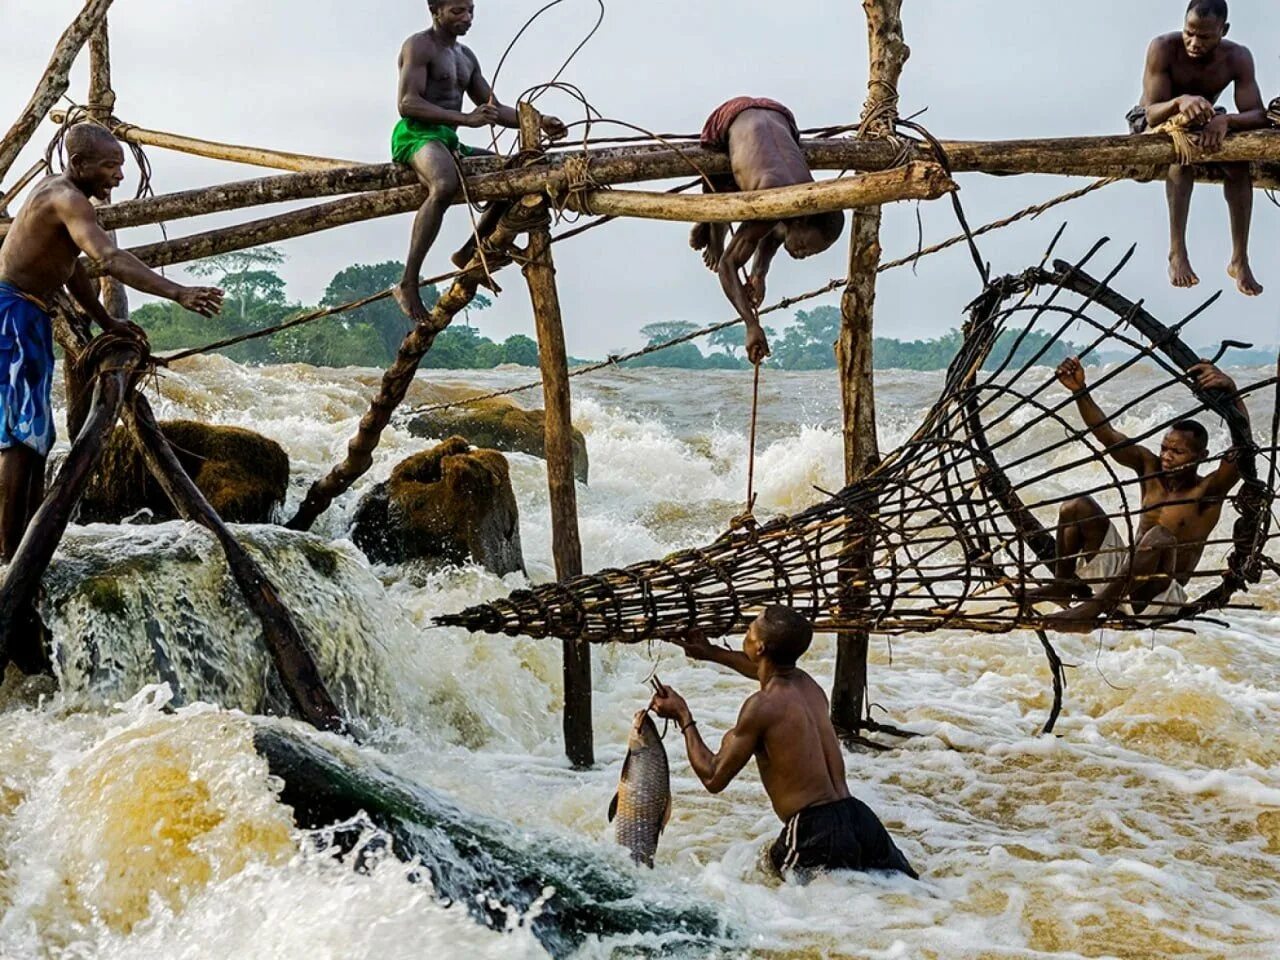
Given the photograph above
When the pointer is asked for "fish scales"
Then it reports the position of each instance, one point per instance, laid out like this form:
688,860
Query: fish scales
642,806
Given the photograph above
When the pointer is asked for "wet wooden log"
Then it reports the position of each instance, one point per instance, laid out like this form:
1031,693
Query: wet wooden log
289,652
888,53
252,156
566,543
53,84
72,332
117,363
398,377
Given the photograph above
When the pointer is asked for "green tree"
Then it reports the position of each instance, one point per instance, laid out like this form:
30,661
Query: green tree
729,338
243,274
384,317
520,349
666,330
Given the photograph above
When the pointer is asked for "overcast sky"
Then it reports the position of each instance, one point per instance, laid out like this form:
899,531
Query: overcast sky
318,76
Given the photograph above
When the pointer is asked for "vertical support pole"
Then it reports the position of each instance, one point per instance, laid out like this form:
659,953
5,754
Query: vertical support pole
887,53
540,274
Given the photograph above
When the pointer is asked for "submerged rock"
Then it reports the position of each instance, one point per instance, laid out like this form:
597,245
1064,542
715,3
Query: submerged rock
242,474
489,868
499,425
449,503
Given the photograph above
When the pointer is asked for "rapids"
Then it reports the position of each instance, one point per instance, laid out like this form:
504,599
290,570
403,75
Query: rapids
138,821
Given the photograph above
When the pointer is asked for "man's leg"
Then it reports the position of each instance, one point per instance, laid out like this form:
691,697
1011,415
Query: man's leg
489,218
1178,192
17,465
1082,527
436,169
1238,190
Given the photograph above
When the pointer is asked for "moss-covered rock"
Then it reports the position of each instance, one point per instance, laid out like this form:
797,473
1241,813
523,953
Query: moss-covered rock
243,474
449,503
499,425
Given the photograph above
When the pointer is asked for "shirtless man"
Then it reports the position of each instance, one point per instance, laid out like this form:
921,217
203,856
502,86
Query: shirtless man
763,144
1180,508
787,728
1185,75
435,71
41,255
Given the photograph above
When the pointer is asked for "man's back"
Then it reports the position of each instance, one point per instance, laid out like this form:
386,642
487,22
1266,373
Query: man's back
764,153
798,754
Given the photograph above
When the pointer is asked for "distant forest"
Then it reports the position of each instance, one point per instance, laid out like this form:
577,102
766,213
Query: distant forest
368,337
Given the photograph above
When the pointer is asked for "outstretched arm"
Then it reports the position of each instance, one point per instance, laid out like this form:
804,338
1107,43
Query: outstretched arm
744,245
482,94
79,218
1157,90
1117,446
1209,377
696,647
715,770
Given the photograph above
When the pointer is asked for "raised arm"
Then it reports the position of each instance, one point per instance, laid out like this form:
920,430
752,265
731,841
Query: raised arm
715,770
696,647
1157,90
79,218
481,94
1209,377
1117,446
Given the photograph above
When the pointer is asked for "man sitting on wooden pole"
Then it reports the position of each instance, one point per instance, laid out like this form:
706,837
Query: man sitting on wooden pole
763,143
40,255
1185,75
435,71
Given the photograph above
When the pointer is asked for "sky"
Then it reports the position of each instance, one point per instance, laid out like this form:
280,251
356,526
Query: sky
319,76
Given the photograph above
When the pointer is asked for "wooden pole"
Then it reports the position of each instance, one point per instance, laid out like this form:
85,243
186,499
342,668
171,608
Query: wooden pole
289,652
252,156
566,544
398,377
117,367
53,84
888,53
102,98
1127,157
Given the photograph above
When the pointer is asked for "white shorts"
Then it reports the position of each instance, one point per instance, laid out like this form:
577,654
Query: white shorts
1111,562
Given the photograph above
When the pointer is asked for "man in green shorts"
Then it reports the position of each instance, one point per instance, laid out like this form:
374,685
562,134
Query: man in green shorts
435,71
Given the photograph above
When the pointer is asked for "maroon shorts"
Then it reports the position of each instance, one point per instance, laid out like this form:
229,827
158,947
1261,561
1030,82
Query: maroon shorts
715,134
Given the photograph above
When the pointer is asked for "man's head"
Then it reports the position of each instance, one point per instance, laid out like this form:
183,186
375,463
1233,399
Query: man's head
807,236
779,635
1205,26
452,16
1183,446
95,161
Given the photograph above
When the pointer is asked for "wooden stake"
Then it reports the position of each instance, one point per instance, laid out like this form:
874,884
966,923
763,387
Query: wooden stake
102,98
888,53
53,84
566,544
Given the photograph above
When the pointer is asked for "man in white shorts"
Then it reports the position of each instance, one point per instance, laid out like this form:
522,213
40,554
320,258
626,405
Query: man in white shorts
1180,508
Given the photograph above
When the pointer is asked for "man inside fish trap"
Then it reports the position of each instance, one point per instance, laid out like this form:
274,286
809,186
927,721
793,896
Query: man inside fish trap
786,726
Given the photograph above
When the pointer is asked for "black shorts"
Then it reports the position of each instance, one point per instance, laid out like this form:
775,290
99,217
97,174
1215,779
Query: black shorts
843,835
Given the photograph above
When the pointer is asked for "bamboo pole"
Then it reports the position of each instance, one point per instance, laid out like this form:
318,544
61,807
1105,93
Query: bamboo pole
1126,157
398,377
888,53
53,84
566,543
213,150
117,367
289,652
915,181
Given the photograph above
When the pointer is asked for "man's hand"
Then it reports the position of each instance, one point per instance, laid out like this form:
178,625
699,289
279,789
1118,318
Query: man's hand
1071,374
1214,132
482,116
206,301
757,345
554,128
695,645
669,705
1209,377
1194,108
755,289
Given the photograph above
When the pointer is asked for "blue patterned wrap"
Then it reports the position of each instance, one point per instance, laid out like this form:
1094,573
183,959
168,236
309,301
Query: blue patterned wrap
26,372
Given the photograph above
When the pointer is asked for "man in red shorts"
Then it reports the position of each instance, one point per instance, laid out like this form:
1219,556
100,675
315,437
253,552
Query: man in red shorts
763,143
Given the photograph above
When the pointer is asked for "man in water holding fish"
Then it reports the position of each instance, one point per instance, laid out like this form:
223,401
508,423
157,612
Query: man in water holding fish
787,727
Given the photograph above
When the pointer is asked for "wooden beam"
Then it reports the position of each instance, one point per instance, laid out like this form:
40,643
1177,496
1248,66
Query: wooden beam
915,181
102,98
213,150
888,52
53,84
566,543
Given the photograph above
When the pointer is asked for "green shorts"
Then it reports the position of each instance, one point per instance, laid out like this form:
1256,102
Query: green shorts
410,136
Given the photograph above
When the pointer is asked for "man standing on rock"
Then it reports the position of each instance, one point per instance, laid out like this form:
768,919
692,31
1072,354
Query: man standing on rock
40,256
1185,74
435,71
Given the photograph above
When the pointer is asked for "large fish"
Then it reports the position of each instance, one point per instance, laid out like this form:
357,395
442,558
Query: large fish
642,805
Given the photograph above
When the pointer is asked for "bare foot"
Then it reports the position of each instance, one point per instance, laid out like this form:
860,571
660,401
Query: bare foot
704,237
700,236
1180,272
410,301
1072,621
1242,274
